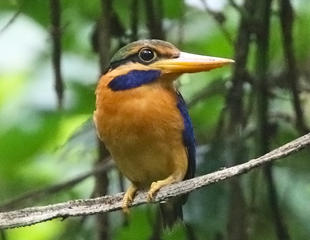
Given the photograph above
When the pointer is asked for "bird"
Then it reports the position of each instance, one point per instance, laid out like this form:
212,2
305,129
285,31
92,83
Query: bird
143,120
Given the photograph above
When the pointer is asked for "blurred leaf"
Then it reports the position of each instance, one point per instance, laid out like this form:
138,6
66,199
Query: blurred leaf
84,99
173,9
20,144
205,116
41,231
138,227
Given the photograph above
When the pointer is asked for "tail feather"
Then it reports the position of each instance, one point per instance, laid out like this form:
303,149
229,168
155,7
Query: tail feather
171,213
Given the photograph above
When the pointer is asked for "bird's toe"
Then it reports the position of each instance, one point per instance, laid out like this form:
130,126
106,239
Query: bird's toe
128,198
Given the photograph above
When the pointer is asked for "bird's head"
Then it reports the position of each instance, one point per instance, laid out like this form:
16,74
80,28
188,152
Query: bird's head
146,61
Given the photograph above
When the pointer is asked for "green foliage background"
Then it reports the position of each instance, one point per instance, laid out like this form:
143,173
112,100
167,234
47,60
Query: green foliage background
41,145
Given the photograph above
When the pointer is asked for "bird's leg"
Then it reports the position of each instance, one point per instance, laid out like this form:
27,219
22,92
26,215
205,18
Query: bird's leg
155,186
128,197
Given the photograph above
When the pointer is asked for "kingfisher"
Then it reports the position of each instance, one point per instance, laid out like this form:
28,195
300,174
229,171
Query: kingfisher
143,120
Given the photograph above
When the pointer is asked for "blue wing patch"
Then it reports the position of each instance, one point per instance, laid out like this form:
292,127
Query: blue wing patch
188,137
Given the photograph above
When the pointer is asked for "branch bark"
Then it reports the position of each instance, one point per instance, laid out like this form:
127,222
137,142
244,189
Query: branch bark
30,216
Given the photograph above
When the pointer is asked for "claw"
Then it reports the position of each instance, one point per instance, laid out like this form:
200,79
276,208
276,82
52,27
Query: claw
128,198
155,186
125,205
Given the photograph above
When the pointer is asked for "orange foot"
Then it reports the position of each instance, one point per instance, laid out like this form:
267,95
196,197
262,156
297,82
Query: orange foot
128,197
155,186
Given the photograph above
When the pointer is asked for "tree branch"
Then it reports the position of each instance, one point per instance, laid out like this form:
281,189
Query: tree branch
30,216
102,181
287,20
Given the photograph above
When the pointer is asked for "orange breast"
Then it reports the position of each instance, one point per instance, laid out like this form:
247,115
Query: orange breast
142,129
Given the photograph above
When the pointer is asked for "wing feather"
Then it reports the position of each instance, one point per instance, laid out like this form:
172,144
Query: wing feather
188,137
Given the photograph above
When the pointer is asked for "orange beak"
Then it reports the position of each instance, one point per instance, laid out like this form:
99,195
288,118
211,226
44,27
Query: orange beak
190,63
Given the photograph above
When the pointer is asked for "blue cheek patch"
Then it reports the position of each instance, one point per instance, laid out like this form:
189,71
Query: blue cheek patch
133,79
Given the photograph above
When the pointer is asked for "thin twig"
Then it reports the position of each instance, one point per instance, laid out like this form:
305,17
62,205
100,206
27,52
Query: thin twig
219,18
181,26
242,10
81,207
234,98
134,20
56,33
38,194
154,16
216,87
13,18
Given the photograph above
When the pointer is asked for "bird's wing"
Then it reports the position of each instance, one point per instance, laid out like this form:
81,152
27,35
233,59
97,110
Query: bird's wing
188,137
171,211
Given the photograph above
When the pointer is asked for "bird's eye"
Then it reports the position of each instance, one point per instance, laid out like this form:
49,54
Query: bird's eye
146,54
